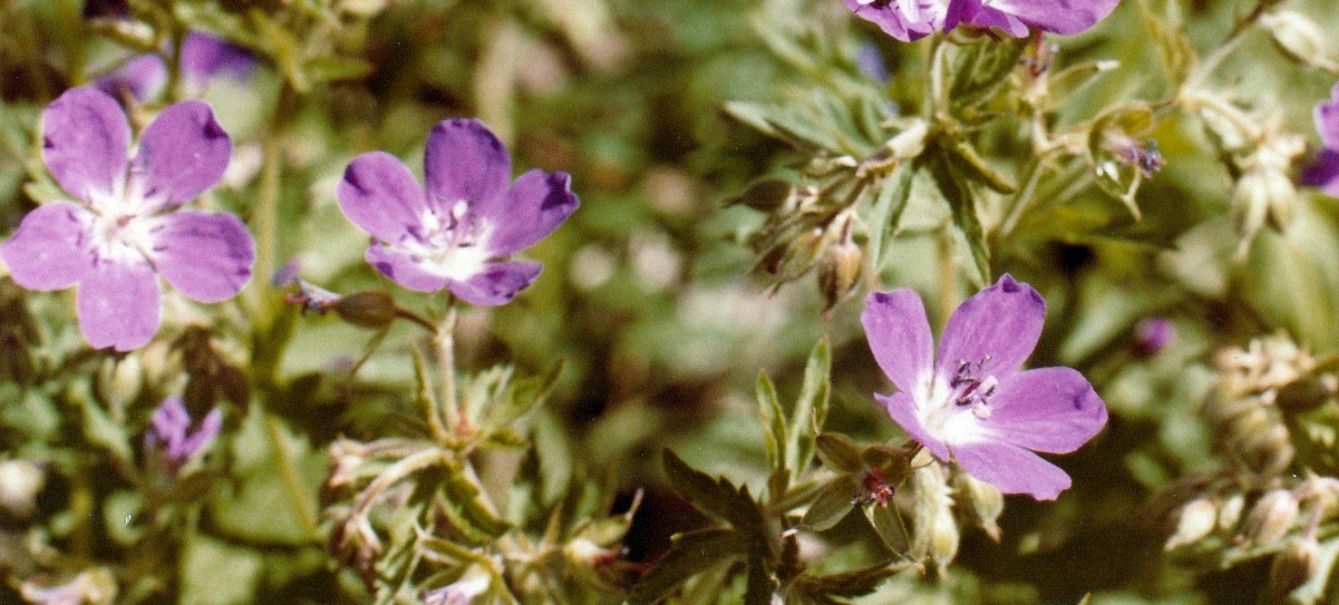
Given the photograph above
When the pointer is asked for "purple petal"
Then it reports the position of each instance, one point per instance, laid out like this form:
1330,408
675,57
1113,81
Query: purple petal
142,77
204,56
890,19
118,304
170,422
899,336
465,161
1056,16
902,408
181,154
49,251
1051,410
404,268
380,195
979,15
206,256
1327,119
532,209
1012,469
84,142
1323,173
497,283
201,438
1001,323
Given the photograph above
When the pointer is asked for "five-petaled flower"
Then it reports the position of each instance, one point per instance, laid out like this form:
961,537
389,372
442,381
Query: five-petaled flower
909,20
123,226
170,433
973,405
1324,170
455,233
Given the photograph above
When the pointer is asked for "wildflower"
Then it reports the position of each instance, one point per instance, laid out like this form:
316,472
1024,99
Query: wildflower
123,225
974,406
170,432
455,234
1324,170
909,20
1153,335
203,58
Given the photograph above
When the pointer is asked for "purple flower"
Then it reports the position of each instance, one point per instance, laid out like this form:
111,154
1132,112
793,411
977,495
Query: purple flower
909,20
203,58
974,405
170,432
123,225
454,234
1323,172
1154,334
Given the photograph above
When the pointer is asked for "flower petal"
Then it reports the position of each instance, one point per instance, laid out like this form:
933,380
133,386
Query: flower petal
119,304
404,268
1002,322
380,195
1327,119
206,256
465,161
181,154
536,204
497,283
49,251
1012,469
979,15
890,19
1051,410
902,408
204,56
142,77
84,142
1323,172
899,336
1057,16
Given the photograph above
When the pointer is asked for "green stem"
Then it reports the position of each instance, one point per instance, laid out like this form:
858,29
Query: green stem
445,344
265,219
288,474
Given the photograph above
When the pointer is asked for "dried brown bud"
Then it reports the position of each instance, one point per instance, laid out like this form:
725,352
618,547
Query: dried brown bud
1271,518
839,271
1195,520
372,309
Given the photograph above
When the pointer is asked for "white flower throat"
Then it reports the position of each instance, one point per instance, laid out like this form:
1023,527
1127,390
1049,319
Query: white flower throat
447,243
123,226
969,389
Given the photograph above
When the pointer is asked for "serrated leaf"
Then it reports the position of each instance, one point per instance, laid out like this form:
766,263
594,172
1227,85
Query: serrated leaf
832,504
466,497
688,555
774,421
962,204
811,409
717,497
523,396
980,70
839,453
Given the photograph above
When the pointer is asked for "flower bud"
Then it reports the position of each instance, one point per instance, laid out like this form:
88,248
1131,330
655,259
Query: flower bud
1154,334
767,194
1271,518
1292,567
910,142
1298,38
1194,521
980,502
943,542
839,269
373,309
20,482
119,381
473,583
1229,512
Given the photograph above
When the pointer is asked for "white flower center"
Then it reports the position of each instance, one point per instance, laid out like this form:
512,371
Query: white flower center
123,226
915,12
448,245
953,407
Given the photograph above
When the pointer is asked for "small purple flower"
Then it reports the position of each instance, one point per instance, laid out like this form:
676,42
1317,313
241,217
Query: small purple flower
1323,173
454,234
975,406
1154,334
170,433
203,58
909,20
124,227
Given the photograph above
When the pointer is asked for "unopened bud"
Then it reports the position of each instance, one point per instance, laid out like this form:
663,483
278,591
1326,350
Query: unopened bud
463,591
930,502
1195,520
1271,518
1229,512
910,142
839,270
1261,195
1292,567
944,539
119,381
1298,38
1154,334
980,502
373,309
766,194
20,482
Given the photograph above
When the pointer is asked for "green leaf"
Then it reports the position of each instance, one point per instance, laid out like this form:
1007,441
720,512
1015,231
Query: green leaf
839,453
832,504
465,497
774,421
854,583
981,69
332,69
973,166
689,554
524,395
888,525
101,430
717,497
962,204
811,409
886,215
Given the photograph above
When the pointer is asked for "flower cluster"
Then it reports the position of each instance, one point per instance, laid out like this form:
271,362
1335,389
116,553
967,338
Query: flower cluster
909,20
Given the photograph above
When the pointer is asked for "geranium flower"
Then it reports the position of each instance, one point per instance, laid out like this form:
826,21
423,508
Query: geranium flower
170,433
203,58
454,234
909,20
1323,173
123,225
974,406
